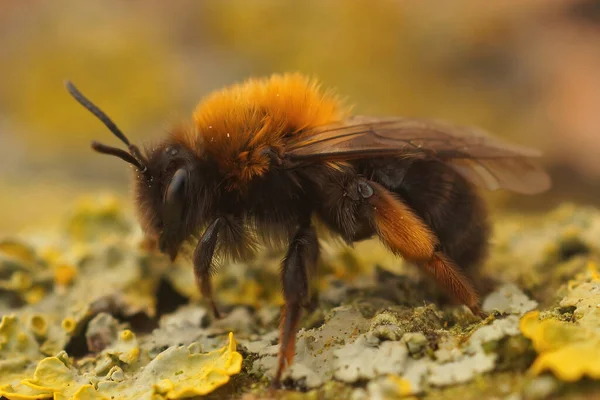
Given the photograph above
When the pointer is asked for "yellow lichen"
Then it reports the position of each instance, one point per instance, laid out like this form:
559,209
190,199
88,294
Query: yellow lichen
392,387
127,335
88,392
569,350
570,232
175,373
19,281
592,268
17,251
19,351
108,204
68,325
187,375
50,254
64,274
127,348
15,340
24,393
403,387
96,218
34,295
52,379
141,296
571,363
38,326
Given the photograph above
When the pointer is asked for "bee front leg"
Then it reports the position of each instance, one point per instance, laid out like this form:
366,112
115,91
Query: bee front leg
300,259
203,262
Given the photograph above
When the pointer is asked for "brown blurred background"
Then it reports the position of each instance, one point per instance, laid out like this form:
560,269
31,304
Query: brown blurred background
527,70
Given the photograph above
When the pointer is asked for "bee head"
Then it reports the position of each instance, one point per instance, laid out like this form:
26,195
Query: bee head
163,187
167,202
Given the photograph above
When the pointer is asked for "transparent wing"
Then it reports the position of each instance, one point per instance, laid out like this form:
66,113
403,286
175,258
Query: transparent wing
484,160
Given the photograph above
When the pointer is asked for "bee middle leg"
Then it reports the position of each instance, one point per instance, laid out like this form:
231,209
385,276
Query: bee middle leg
299,261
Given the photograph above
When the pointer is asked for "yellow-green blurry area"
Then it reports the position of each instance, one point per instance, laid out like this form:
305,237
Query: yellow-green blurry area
523,70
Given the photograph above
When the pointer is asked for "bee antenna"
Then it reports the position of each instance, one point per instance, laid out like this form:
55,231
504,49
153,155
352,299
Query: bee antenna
134,156
113,151
91,107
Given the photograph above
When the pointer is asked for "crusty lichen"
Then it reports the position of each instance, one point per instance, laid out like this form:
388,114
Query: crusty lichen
178,372
93,316
570,349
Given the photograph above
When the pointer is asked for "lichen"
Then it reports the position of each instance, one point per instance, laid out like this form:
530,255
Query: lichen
97,218
133,323
364,360
570,350
390,387
509,299
173,374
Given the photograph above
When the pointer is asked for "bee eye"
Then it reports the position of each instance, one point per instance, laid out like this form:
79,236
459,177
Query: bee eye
176,187
173,208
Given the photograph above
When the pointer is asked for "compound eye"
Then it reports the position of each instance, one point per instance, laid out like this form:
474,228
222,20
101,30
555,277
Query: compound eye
174,201
176,187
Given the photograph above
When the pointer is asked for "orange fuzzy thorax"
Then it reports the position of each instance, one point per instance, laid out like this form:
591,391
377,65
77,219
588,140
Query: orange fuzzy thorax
235,124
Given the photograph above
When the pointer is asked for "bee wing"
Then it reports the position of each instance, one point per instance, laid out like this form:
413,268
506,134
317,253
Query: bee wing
484,160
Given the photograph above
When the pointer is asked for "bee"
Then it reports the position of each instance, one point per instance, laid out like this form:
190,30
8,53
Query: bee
264,160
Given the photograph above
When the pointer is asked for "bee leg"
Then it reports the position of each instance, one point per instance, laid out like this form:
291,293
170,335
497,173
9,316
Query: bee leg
300,259
203,262
405,234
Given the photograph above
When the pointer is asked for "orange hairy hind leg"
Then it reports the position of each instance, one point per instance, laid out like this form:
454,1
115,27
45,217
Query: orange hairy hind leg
405,234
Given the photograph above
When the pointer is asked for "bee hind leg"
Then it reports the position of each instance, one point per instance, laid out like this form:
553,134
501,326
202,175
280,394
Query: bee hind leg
363,208
407,235
299,261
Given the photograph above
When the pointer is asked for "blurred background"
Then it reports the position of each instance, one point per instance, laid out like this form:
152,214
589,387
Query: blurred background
525,70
